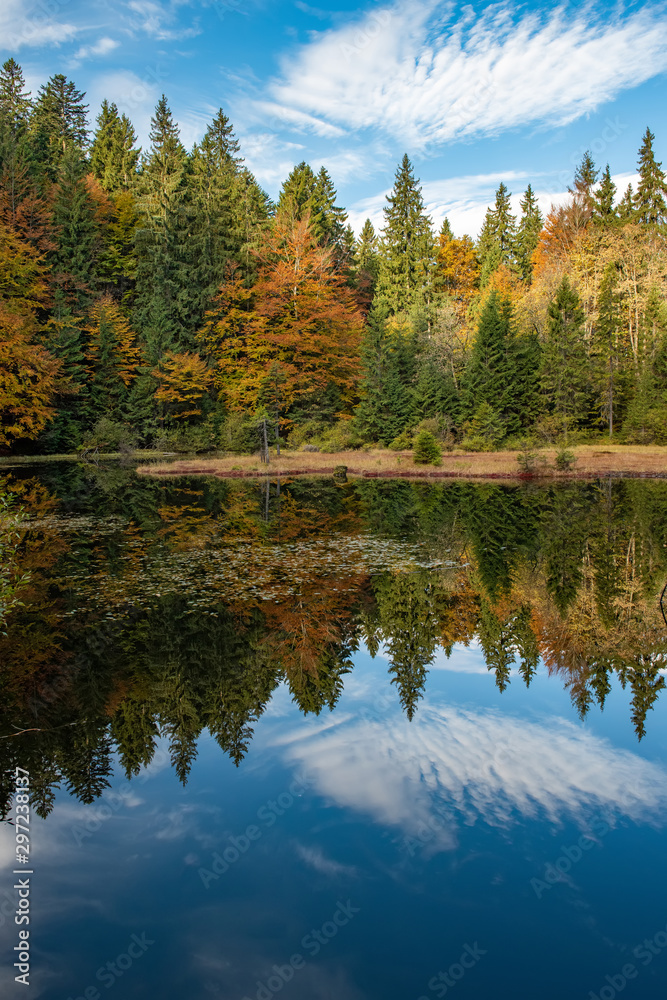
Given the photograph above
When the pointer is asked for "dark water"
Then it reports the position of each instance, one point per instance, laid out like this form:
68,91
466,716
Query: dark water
363,741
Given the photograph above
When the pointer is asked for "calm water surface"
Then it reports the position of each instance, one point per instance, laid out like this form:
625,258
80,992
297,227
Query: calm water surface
338,741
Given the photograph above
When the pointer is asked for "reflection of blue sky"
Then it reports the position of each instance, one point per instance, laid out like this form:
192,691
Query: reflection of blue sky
508,785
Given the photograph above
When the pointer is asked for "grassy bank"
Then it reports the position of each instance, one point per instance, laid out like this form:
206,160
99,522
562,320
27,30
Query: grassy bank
591,460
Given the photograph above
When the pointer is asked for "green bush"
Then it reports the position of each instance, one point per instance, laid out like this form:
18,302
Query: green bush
648,427
529,460
305,433
426,450
485,431
191,438
565,460
441,426
108,435
238,434
402,443
342,436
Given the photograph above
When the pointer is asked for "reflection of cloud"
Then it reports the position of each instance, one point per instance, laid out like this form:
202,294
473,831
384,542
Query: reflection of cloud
475,765
315,859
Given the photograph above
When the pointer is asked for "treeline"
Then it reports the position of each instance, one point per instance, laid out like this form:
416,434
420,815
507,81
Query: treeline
159,298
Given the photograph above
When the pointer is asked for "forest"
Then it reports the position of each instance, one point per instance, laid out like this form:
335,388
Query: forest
159,299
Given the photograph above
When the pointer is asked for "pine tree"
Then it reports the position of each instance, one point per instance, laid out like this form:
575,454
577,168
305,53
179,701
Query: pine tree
626,210
497,240
367,258
113,157
585,177
604,351
407,251
15,106
58,123
649,200
78,231
565,368
604,213
163,282
528,234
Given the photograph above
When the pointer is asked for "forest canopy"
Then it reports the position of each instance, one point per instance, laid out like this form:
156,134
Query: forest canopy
158,298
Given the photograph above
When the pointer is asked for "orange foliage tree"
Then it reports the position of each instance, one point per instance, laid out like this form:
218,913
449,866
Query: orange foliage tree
297,331
29,375
183,381
458,270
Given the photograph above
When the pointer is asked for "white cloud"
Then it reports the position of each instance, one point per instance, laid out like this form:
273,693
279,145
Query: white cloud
469,766
101,48
428,74
135,97
155,19
32,28
318,861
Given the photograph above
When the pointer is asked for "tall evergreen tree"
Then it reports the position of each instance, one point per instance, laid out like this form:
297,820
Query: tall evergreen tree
163,283
604,213
626,209
528,234
565,368
15,107
407,249
607,363
649,200
113,156
497,240
585,177
78,231
367,257
58,123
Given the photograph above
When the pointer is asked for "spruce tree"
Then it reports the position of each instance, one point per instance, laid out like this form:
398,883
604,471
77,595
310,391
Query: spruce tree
113,156
164,286
604,213
604,351
565,369
58,123
626,210
649,200
78,231
497,240
367,257
15,107
407,250
528,234
585,177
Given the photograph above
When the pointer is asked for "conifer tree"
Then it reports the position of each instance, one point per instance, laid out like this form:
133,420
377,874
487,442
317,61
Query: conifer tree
604,351
585,177
649,200
497,240
565,369
407,250
78,231
15,108
164,285
604,213
113,156
367,258
528,234
626,210
58,123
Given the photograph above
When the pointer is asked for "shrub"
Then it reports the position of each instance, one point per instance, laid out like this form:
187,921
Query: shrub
441,426
565,460
304,432
341,436
485,431
426,450
529,461
108,435
191,438
238,434
402,442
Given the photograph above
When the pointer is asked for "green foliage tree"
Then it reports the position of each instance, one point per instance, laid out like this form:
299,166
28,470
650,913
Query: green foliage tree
527,235
565,371
497,240
58,123
649,200
113,156
407,247
603,211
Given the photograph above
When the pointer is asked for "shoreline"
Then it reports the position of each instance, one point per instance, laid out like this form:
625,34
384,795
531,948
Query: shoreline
618,461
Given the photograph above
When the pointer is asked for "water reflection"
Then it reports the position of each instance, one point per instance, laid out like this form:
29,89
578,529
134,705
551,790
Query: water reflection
172,608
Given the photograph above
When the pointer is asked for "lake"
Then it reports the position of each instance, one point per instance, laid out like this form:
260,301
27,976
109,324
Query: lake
323,740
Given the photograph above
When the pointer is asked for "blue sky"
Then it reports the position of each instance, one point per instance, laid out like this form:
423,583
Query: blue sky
475,93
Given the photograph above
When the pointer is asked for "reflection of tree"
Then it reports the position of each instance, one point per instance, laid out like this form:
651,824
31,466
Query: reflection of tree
138,625
410,631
